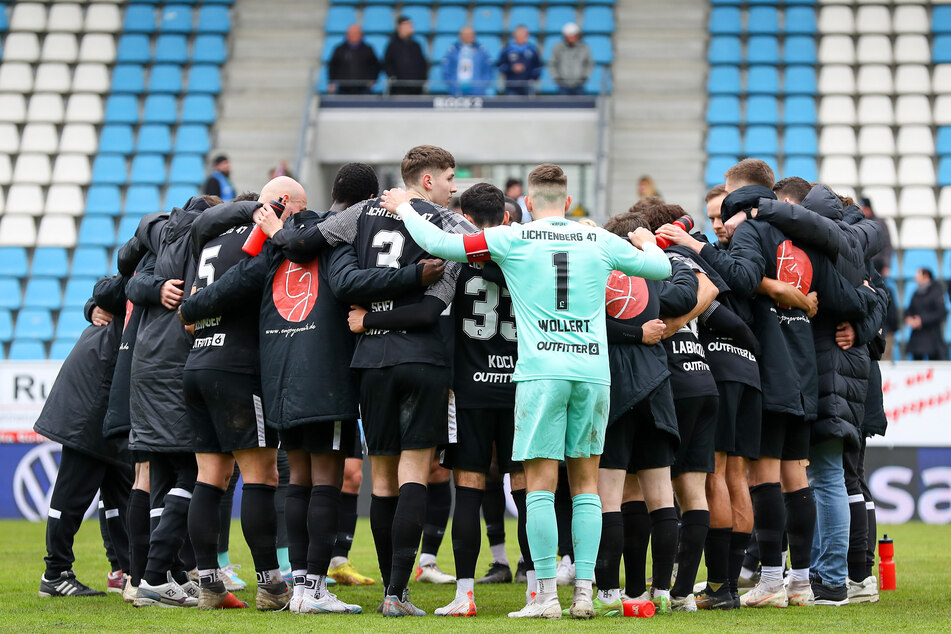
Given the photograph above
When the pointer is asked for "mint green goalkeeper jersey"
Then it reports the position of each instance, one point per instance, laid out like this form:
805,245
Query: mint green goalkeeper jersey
556,271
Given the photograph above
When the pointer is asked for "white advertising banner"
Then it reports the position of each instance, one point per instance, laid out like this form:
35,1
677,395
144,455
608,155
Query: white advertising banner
917,396
23,389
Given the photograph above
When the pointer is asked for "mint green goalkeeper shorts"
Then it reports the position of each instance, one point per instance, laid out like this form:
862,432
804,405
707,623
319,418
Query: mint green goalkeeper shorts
558,419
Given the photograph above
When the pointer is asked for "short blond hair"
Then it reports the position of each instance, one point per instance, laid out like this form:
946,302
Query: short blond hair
548,185
751,172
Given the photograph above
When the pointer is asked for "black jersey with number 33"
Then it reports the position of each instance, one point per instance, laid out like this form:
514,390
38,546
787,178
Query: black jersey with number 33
229,341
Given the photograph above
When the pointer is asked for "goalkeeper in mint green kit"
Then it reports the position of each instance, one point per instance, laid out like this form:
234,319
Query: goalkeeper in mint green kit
556,271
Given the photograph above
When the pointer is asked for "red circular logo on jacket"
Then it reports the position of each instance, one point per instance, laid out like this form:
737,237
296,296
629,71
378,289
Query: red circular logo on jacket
625,297
294,289
793,266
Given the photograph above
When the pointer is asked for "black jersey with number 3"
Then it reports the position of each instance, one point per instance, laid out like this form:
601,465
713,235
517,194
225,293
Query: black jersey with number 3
227,342
486,345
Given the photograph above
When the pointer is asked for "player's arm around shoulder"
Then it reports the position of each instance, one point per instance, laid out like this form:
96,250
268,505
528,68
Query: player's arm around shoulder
645,260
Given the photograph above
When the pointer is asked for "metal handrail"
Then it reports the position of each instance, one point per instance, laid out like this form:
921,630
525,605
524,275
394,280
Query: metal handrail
305,124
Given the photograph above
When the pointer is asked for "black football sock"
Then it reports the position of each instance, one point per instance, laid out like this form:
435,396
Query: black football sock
203,524
280,502
382,509
407,529
106,538
663,546
138,522
563,510
346,524
716,553
295,515
693,535
168,538
225,511
637,534
801,527
466,531
186,555
769,515
322,527
872,538
607,569
438,507
259,525
751,554
738,544
519,497
493,510
858,537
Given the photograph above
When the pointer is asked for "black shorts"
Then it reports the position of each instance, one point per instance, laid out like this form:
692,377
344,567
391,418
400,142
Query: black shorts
139,456
697,423
225,411
634,443
331,435
476,431
785,436
739,419
404,406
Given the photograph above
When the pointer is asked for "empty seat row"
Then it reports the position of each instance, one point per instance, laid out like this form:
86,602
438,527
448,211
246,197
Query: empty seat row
148,169
26,198
95,78
29,349
176,18
878,79
139,199
879,109
49,108
762,49
832,49
500,3
101,17
912,18
165,78
54,262
37,323
881,171
171,49
886,204
81,138
879,139
19,230
160,109
762,80
761,109
46,292
39,169
759,139
762,20
802,166
97,47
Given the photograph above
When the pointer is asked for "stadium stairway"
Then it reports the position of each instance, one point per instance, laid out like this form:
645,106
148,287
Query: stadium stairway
275,43
659,101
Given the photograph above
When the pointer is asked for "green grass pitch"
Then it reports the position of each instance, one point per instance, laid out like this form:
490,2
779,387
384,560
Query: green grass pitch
922,602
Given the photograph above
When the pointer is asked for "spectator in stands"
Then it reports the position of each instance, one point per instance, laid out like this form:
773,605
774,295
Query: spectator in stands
217,183
884,257
467,67
281,169
404,62
892,321
925,316
515,190
354,67
520,64
571,63
646,188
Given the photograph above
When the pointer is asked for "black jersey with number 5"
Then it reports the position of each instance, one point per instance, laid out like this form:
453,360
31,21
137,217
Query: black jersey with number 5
228,341
486,344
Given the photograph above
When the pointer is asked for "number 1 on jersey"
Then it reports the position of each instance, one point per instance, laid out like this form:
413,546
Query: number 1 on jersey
560,262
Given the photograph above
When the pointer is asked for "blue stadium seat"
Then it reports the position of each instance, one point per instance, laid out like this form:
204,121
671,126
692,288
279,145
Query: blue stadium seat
176,18
547,85
799,110
762,49
139,19
450,19
723,109
725,49
72,322
6,320
943,143
723,139
801,166
941,19
724,80
800,80
800,21
602,48
147,169
122,109
800,139
441,44
528,16
178,195
557,17
378,42
3,19
726,21
763,21
717,166
377,19
204,78
762,109
209,49
13,262
944,171
109,169
598,81
914,259
50,262
165,78
719,3
761,139
198,109
941,49
213,20
160,109
78,291
134,48
116,139
43,292
90,261
60,348
487,20
799,49
339,18
436,85
171,48
103,200
192,138
330,43
128,78
26,349
461,2
762,80
155,138
34,323
492,45
421,16
97,231
127,227
946,269
597,20
188,169
9,293
142,199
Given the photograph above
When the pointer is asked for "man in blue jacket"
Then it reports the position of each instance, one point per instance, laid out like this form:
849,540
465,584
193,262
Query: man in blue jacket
467,67
520,64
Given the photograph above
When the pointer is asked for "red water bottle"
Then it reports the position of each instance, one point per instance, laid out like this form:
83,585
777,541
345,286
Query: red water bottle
633,607
685,222
255,242
886,564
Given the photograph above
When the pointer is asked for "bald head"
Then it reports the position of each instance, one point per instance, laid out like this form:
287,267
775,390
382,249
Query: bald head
467,35
285,186
354,34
